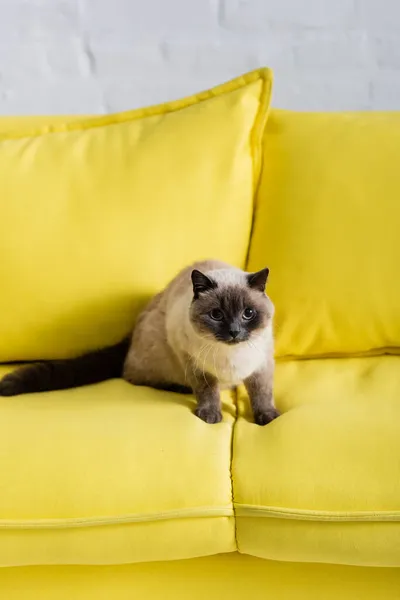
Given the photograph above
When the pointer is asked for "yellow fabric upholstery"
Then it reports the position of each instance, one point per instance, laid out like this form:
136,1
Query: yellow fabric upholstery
230,576
84,201
94,476
327,225
329,487
318,485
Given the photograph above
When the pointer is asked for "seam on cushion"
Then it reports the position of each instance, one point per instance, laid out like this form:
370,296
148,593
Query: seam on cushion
256,144
231,471
185,513
385,351
249,510
257,131
264,74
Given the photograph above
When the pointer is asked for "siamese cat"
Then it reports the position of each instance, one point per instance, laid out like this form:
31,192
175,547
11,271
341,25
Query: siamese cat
209,329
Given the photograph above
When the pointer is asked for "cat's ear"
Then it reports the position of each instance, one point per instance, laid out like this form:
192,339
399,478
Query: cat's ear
201,283
258,280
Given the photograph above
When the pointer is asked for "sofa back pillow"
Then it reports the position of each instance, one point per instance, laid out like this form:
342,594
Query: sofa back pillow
328,226
98,214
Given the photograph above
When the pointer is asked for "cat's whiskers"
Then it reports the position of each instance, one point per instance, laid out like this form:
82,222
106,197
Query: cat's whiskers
253,345
204,351
196,356
204,364
193,360
214,355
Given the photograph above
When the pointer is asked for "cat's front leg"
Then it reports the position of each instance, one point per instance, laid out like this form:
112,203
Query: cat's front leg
206,390
259,386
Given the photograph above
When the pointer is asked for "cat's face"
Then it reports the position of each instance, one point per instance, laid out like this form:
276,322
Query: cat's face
230,309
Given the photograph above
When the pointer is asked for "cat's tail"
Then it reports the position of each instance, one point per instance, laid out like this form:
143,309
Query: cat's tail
62,374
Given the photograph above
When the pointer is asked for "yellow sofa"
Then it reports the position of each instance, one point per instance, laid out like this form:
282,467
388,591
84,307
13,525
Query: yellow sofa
120,491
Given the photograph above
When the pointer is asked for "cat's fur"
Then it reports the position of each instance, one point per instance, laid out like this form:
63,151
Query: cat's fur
210,329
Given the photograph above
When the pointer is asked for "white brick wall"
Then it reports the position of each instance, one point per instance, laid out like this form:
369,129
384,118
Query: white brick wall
94,56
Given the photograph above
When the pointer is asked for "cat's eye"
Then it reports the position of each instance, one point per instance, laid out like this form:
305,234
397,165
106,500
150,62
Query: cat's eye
249,313
216,314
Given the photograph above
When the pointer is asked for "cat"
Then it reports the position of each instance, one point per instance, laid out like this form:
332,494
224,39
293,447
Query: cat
209,329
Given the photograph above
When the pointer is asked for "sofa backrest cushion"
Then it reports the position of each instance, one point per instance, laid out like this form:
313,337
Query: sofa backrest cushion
98,214
327,224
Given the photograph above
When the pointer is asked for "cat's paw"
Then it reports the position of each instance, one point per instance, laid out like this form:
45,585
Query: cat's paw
209,414
263,417
9,386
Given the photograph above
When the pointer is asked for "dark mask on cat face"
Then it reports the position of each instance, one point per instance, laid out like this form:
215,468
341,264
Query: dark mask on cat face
230,311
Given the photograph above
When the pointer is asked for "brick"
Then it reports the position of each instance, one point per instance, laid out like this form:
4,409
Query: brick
322,91
229,56
16,21
136,93
45,61
24,20
128,20
316,49
385,90
21,61
259,14
68,60
138,59
44,97
386,50
374,15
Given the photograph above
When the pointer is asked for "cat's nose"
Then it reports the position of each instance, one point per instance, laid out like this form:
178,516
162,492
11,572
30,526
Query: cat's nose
234,332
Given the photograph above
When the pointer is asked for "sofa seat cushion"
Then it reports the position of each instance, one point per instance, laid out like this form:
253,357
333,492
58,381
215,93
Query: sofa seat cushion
98,214
112,474
322,482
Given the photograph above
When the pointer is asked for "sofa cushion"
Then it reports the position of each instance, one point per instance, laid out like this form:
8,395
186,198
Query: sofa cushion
112,474
322,482
232,576
97,214
327,224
